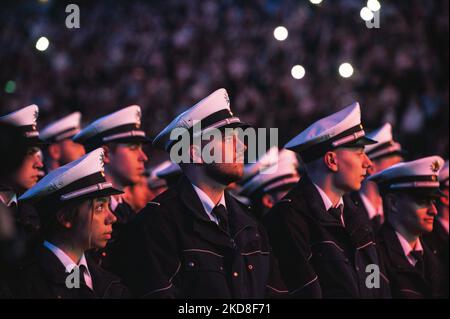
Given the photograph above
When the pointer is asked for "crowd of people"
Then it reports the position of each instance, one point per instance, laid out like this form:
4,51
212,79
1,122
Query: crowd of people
165,55
351,203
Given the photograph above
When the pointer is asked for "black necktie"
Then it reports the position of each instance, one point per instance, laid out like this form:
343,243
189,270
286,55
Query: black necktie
220,212
377,221
418,256
336,212
82,269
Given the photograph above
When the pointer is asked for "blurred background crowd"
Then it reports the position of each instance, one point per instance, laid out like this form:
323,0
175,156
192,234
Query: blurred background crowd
164,55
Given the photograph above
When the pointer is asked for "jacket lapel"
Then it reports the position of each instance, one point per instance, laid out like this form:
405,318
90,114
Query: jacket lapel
239,219
395,250
202,225
305,189
356,224
53,269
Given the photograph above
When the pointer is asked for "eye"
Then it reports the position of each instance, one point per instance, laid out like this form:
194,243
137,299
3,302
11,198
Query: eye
99,208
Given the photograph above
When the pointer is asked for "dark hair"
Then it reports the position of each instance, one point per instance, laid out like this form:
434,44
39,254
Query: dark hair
50,224
12,140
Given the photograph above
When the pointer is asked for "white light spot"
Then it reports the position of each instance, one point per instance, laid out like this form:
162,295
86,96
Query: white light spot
315,1
366,14
346,70
280,33
373,5
298,72
42,44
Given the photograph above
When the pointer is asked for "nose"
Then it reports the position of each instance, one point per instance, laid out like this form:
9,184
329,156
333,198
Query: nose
38,164
367,162
432,210
240,146
143,157
110,218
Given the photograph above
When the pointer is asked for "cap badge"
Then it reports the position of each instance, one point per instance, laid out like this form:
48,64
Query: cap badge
35,115
435,166
227,99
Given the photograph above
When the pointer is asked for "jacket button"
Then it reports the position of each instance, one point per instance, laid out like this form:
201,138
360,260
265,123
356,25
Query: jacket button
250,267
221,268
235,275
191,264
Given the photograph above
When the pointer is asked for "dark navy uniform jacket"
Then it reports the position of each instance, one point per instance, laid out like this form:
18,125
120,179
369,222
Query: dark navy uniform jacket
318,256
176,251
407,282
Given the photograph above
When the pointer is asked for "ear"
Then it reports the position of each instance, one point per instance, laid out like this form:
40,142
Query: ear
54,151
106,154
268,201
63,221
195,154
330,161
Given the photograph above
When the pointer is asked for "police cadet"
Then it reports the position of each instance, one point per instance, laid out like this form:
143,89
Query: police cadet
437,240
409,190
272,183
322,244
73,205
121,136
385,153
195,240
11,240
28,172
61,149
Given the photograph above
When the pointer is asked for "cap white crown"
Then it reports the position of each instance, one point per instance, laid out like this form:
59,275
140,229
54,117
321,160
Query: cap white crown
128,115
216,101
23,117
70,121
328,127
427,166
89,164
382,135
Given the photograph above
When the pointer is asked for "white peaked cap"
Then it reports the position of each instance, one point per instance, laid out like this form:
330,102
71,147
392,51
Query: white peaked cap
211,112
63,128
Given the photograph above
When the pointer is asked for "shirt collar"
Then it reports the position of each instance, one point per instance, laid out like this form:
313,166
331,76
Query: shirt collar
326,200
371,210
406,246
114,202
8,198
67,262
207,203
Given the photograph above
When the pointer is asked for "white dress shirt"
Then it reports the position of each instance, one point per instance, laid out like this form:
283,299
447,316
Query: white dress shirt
208,204
407,249
8,198
114,202
68,263
371,210
329,204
